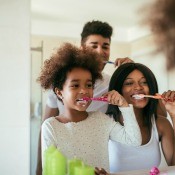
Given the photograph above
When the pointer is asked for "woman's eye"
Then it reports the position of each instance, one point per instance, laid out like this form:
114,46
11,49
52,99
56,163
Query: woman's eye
143,83
128,83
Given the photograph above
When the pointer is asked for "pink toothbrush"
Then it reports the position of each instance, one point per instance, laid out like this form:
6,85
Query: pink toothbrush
103,99
140,96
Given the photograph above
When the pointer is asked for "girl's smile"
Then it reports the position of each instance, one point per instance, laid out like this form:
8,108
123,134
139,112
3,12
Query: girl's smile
77,85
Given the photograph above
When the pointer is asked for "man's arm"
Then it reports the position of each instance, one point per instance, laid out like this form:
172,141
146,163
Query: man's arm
50,112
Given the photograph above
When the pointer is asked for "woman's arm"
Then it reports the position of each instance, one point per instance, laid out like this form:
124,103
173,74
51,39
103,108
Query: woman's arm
165,129
169,103
167,139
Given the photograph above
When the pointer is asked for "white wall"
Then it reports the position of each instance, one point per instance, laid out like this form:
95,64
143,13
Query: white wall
15,86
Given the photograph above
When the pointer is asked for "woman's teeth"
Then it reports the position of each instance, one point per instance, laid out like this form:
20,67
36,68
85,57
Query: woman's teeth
138,96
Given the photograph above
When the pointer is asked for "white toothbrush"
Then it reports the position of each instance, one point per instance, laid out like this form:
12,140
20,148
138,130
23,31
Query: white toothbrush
140,96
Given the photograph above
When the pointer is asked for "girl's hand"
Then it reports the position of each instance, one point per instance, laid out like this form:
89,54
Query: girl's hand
169,102
115,98
100,171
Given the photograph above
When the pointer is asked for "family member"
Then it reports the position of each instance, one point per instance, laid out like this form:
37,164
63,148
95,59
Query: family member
71,73
95,35
130,80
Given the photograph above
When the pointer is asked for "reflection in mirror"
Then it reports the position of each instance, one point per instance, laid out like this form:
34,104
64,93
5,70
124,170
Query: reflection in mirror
58,21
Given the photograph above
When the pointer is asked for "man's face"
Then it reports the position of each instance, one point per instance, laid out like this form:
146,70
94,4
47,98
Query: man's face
99,44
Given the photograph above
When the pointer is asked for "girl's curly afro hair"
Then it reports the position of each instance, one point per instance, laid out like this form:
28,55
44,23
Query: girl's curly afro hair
67,57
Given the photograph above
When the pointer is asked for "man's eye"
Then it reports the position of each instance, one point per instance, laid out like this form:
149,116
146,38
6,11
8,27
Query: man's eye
94,46
105,48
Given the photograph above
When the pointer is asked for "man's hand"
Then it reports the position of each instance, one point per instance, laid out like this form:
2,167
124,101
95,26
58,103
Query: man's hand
120,61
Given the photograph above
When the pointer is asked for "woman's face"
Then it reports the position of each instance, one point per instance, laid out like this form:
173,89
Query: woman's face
77,85
135,83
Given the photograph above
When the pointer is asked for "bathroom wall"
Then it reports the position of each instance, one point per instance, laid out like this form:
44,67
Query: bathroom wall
15,87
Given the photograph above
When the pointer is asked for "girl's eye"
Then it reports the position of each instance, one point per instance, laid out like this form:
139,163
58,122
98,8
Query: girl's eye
74,85
89,85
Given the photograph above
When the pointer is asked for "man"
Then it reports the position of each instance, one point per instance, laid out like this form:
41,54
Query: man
97,36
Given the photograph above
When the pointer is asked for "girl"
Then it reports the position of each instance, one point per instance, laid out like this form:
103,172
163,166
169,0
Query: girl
129,80
71,73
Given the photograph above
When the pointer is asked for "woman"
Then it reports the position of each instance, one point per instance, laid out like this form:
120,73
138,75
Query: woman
131,79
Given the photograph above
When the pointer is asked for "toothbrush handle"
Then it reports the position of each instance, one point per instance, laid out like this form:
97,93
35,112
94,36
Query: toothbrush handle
110,62
104,99
100,99
158,97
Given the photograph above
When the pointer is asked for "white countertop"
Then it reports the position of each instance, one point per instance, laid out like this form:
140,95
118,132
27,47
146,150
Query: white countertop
163,171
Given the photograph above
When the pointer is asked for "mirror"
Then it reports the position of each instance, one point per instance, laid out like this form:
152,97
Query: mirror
57,21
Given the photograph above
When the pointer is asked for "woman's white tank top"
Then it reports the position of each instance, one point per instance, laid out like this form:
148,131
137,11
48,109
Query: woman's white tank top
125,158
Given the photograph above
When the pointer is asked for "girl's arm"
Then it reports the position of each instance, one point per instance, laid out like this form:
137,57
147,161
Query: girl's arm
129,133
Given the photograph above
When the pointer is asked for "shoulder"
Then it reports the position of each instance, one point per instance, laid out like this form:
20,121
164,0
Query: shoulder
163,125
48,122
96,114
101,86
162,121
101,117
106,77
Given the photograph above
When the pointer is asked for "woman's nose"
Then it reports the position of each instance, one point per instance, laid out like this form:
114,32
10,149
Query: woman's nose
137,86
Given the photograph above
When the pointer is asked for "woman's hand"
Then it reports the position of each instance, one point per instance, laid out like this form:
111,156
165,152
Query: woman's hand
100,171
169,102
115,98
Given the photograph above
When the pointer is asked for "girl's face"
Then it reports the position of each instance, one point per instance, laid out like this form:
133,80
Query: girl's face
77,85
135,83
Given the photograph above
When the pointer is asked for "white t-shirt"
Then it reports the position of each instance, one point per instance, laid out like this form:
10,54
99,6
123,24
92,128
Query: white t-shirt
88,139
127,158
101,87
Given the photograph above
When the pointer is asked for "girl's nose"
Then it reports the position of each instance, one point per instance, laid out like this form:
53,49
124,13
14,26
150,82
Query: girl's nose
83,90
